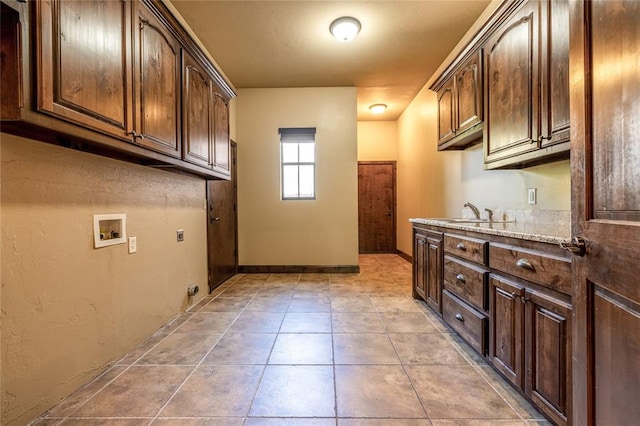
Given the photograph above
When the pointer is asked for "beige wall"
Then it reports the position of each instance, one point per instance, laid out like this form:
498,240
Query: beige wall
276,232
437,184
377,140
68,310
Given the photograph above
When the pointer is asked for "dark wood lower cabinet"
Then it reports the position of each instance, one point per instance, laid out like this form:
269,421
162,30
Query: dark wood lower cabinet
510,301
531,344
507,328
547,354
419,265
467,321
427,277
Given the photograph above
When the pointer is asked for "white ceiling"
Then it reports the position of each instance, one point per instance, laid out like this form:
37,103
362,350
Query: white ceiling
288,44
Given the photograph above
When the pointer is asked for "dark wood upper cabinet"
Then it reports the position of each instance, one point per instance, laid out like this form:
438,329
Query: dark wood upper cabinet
460,107
107,77
526,64
197,110
554,62
11,101
221,132
446,112
512,87
205,119
157,78
83,62
469,94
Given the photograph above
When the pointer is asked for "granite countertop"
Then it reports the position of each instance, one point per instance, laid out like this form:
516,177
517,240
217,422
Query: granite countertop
545,232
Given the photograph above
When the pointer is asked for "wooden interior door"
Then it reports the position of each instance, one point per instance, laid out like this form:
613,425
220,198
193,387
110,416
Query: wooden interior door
222,228
605,175
377,206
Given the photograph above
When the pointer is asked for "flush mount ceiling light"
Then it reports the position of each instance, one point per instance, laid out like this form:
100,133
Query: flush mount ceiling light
345,28
378,108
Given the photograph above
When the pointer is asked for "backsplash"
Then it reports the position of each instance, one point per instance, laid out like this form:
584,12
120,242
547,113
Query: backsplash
557,218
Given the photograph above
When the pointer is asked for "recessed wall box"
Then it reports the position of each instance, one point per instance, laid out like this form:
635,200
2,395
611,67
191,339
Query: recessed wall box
109,229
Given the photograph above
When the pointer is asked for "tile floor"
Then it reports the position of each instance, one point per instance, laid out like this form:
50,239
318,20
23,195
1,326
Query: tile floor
302,349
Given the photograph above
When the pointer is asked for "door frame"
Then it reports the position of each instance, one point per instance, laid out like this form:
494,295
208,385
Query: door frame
393,163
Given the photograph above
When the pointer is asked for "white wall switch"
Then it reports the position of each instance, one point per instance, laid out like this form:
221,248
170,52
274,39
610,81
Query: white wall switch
180,235
532,196
133,245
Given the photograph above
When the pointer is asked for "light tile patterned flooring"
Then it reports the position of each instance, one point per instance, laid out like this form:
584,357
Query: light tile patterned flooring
302,349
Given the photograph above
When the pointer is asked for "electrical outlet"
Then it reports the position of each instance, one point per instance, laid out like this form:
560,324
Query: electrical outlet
532,196
180,235
133,245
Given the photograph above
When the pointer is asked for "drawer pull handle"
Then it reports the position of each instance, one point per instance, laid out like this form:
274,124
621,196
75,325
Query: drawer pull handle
525,264
459,317
460,278
461,246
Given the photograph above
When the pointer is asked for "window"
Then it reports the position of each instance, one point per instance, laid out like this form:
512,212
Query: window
298,163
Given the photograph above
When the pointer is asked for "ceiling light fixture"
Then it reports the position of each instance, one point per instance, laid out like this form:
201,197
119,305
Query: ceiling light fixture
345,28
378,108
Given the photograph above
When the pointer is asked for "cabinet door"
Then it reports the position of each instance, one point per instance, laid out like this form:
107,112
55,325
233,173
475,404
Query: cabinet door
506,333
419,265
548,354
197,114
83,66
221,134
433,285
555,72
157,80
446,117
469,94
511,85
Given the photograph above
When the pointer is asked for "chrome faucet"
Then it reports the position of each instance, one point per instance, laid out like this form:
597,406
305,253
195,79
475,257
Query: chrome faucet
490,214
473,208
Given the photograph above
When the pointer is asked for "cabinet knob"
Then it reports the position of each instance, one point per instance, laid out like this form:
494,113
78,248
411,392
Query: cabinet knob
461,246
525,264
460,278
459,317
577,246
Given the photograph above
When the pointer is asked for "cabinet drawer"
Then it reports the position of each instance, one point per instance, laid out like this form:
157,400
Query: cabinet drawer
467,281
466,321
545,269
468,248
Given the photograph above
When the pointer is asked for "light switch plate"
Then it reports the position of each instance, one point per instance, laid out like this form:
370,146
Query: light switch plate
532,196
133,245
180,235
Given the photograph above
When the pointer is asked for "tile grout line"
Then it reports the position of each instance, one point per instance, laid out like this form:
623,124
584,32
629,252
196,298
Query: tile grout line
203,358
266,364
